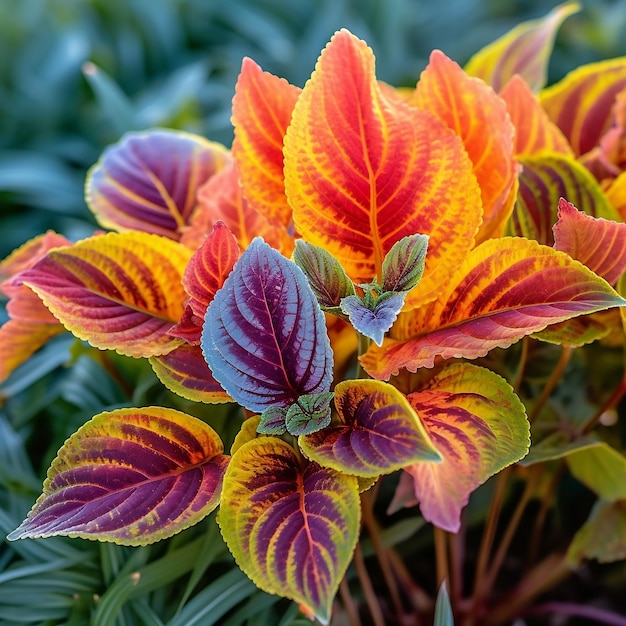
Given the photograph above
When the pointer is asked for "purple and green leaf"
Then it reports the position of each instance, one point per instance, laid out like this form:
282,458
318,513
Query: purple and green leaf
544,180
525,51
378,432
264,334
309,414
130,476
292,526
272,421
326,277
403,265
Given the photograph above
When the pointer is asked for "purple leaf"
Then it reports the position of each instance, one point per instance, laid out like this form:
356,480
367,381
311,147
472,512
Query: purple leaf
373,322
264,335
148,181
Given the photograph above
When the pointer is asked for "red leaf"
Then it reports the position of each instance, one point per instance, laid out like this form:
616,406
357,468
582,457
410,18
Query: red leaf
598,243
205,274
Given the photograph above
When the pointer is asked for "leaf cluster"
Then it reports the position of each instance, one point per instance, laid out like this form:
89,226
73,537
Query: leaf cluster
309,426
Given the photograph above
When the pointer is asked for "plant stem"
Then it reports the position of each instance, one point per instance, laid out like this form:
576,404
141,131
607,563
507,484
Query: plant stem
610,403
441,555
521,368
368,589
546,503
567,608
505,542
551,383
349,603
456,544
369,521
551,571
364,344
420,600
486,543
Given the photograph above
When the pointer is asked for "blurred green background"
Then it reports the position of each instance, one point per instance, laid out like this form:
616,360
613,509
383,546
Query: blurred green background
170,63
175,62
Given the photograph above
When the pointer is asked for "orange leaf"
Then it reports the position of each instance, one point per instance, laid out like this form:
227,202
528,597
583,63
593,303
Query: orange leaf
20,340
363,170
473,111
222,199
506,289
31,324
262,109
27,255
534,130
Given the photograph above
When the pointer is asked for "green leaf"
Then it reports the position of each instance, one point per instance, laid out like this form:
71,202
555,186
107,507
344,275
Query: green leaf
403,265
443,610
272,421
603,536
327,278
209,605
602,469
555,446
309,414
114,104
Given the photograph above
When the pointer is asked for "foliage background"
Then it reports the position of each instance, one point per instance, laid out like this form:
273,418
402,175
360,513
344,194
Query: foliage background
168,63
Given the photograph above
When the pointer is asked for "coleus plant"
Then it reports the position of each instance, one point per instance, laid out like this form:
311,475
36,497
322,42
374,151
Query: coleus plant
411,229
